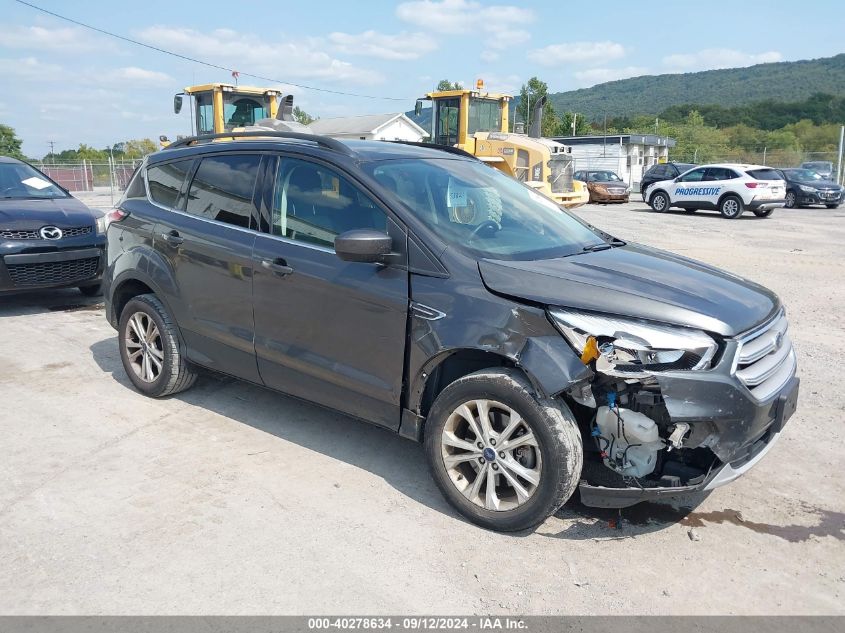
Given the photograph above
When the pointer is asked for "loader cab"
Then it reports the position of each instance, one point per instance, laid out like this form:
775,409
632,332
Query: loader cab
458,114
217,108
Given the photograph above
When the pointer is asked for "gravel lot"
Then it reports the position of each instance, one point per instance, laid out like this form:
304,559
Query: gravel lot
233,499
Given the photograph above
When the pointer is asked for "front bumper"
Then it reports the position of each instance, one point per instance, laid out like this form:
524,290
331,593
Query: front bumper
818,198
30,266
600,196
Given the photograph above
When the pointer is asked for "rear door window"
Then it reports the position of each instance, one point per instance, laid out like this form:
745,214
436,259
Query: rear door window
165,181
223,187
720,173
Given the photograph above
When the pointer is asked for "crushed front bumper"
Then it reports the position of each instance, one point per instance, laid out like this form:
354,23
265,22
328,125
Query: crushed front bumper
741,421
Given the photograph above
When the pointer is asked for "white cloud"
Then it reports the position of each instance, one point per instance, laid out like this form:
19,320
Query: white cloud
713,58
593,76
64,39
303,58
576,53
402,46
489,56
31,69
139,75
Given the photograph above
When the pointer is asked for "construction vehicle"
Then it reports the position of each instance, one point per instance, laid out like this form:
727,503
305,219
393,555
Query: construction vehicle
477,122
216,107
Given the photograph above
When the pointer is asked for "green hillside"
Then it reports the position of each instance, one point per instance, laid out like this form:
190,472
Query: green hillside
652,94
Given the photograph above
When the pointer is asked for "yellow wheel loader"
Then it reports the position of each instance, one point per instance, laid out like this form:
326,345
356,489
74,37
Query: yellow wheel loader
477,122
216,108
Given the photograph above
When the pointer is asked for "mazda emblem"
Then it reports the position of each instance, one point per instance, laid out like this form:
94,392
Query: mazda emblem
51,233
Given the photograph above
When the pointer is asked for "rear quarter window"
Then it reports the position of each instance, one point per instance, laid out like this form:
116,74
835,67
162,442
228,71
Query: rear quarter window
764,174
165,181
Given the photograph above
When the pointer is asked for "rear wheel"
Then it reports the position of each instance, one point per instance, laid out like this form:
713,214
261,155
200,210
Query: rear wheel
731,207
763,213
791,200
149,349
660,202
504,458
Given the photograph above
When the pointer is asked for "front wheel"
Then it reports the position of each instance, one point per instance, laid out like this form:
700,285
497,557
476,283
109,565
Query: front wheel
503,458
149,348
731,207
660,202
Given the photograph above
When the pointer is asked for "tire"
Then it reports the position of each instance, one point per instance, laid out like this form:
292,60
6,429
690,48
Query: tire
791,200
731,207
763,213
690,210
552,460
660,202
164,371
832,206
91,291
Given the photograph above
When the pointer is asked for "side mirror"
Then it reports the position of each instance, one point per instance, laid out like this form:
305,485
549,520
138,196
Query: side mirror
177,104
363,245
163,138
418,107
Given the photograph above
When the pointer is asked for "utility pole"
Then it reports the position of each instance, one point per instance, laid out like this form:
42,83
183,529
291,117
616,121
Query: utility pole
604,145
574,119
52,157
764,155
840,172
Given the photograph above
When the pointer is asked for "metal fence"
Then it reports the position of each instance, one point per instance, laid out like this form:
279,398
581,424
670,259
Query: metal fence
86,175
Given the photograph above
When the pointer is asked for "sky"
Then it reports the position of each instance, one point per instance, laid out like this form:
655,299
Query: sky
64,83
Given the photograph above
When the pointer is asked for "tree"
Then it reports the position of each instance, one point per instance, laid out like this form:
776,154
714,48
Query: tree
445,84
10,144
582,125
138,148
528,94
302,116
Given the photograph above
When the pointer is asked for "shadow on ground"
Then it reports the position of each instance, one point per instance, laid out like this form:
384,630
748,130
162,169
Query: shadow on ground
39,301
401,463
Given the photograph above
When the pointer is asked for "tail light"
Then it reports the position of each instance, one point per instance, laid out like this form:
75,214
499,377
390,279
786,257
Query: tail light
754,185
115,215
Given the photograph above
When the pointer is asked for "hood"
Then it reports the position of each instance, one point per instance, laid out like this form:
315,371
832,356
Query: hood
819,184
639,282
609,183
33,214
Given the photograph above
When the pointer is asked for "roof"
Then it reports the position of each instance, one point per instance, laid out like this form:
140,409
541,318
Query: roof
360,150
357,125
9,159
624,139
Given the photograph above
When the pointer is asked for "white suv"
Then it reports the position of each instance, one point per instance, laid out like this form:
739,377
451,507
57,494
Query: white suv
729,188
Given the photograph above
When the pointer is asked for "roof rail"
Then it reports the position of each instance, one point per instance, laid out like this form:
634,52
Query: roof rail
442,148
322,141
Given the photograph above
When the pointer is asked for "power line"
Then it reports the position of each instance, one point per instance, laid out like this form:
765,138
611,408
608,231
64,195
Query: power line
204,63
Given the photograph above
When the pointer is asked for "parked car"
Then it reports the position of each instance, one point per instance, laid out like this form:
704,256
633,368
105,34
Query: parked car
729,188
662,171
48,238
603,185
422,291
823,168
805,187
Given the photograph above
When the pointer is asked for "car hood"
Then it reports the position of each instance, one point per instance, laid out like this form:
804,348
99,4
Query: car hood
33,214
640,282
608,183
819,184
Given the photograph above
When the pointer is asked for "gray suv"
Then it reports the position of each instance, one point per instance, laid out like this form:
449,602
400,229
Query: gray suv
422,291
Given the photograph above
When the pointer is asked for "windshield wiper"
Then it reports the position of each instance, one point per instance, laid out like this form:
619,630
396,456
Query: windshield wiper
603,246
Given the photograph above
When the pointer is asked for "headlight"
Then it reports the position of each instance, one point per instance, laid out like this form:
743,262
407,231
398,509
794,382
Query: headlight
632,349
807,189
102,225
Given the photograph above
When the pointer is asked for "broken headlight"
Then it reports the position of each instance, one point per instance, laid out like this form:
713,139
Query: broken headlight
633,349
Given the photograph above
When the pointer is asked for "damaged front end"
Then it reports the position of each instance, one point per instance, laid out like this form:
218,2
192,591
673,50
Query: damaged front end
670,410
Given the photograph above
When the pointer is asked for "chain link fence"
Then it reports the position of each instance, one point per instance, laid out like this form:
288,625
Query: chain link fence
88,176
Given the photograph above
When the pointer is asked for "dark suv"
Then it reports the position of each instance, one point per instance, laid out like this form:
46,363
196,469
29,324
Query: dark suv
662,171
421,290
48,238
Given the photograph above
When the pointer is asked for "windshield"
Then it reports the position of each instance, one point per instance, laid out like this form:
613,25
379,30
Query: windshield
19,180
803,174
604,176
824,166
478,209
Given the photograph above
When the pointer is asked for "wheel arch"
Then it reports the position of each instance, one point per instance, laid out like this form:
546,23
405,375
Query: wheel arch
664,192
727,194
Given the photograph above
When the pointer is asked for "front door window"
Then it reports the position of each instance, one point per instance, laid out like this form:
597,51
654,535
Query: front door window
446,121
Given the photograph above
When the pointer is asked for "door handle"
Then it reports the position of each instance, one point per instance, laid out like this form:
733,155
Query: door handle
172,238
278,266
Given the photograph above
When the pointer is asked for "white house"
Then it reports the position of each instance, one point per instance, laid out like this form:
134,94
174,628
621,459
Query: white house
629,155
380,127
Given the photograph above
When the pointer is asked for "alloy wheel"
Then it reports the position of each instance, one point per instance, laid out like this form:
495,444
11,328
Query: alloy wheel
144,346
491,455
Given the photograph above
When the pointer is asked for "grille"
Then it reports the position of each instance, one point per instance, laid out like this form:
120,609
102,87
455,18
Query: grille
766,360
20,235
51,273
615,191
75,231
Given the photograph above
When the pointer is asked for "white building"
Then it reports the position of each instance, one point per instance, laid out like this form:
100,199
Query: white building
629,155
379,127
